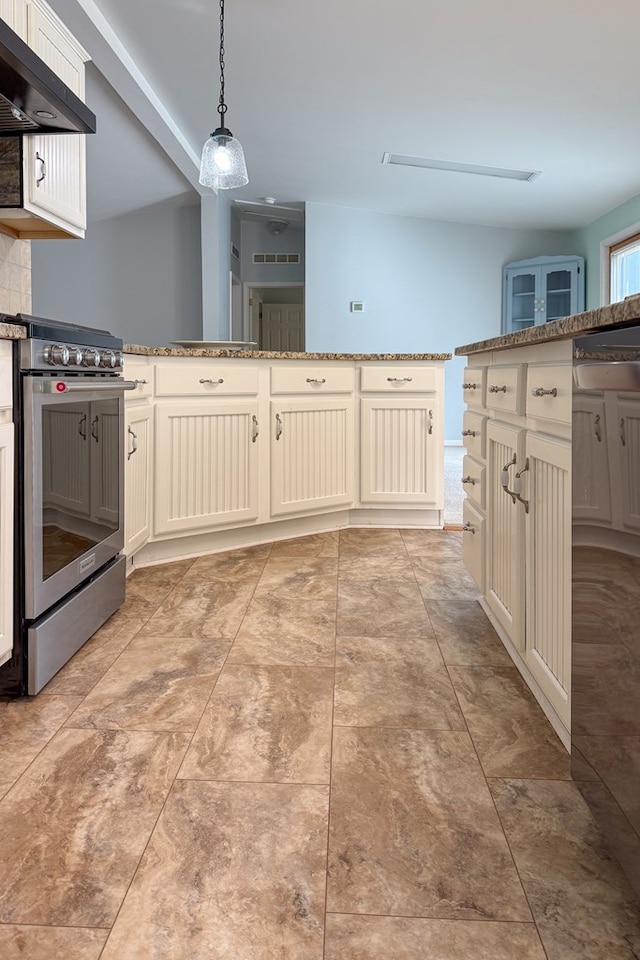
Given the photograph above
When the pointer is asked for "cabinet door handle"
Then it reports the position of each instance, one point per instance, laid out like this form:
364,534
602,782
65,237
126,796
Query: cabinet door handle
494,389
209,380
470,433
256,429
596,428
94,429
468,528
278,426
471,480
623,432
430,422
541,392
82,426
504,478
517,486
134,443
139,382
467,386
43,169
316,380
399,379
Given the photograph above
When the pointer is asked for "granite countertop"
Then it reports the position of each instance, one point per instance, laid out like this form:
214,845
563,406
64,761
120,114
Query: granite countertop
12,331
275,354
613,315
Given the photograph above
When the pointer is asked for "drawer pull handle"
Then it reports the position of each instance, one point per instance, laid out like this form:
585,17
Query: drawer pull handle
139,382
469,386
471,480
278,426
470,433
494,389
209,380
596,428
468,528
541,392
256,428
430,422
316,380
134,443
399,379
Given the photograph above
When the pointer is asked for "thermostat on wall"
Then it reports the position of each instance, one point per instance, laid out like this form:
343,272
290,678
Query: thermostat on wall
357,306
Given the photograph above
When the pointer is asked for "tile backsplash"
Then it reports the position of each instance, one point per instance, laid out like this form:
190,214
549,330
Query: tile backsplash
15,275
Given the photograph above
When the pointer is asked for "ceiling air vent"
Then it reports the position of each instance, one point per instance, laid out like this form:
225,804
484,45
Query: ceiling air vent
276,258
504,173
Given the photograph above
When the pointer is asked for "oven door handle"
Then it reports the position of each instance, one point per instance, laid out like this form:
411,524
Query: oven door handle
85,386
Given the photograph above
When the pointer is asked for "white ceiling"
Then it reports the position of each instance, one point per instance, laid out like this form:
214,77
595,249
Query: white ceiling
317,92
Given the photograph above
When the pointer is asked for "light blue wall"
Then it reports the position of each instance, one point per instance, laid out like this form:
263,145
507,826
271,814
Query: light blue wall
586,243
427,286
256,238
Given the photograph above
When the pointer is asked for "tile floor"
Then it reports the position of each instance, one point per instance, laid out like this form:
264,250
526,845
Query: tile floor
316,749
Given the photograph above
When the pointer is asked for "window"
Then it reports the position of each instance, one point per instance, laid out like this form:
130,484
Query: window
624,268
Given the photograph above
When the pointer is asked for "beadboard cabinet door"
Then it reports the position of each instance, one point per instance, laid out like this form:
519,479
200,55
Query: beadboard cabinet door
206,465
6,541
312,455
401,450
591,473
137,475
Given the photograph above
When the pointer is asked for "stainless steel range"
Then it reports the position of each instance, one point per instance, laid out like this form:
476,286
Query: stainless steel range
69,571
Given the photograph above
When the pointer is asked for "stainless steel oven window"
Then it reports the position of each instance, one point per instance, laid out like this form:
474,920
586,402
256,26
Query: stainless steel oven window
73,485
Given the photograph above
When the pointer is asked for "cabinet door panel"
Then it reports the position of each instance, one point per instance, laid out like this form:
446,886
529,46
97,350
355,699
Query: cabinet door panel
6,541
137,477
591,478
401,450
548,560
205,466
628,444
312,455
505,533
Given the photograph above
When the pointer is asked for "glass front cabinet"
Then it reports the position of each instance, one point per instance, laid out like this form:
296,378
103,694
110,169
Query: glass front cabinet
540,290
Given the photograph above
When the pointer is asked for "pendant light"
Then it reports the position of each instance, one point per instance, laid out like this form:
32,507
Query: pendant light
222,166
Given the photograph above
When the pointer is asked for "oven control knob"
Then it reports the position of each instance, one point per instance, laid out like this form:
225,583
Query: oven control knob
57,355
75,356
91,358
108,359
119,358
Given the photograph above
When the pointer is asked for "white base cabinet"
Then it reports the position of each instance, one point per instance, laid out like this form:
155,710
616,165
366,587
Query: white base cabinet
137,475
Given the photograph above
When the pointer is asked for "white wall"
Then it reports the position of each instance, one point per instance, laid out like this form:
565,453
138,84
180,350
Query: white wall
137,275
427,286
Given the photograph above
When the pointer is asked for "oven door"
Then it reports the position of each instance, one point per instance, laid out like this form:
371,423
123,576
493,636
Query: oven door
73,483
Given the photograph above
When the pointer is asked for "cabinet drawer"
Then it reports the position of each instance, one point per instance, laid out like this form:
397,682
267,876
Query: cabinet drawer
504,388
474,384
312,378
206,378
549,391
474,433
142,373
383,379
473,481
473,542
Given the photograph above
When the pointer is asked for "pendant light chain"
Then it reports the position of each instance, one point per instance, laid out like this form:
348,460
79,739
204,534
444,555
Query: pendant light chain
222,107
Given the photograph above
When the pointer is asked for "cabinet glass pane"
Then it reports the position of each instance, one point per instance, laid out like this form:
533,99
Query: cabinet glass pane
558,299
523,291
558,280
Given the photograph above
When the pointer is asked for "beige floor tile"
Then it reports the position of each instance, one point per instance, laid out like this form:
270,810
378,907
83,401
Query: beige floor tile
403,938
214,608
443,579
80,674
245,564
287,632
265,724
26,726
581,902
232,870
382,608
390,682
50,943
465,634
414,831
366,542
77,822
316,545
158,683
511,734
383,567
433,543
299,578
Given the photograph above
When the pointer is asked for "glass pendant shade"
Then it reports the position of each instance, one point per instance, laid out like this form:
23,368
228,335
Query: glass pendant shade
222,166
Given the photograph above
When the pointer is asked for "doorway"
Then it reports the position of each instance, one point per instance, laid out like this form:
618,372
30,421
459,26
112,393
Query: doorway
274,316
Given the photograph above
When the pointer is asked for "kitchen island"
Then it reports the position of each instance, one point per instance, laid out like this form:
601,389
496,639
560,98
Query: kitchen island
231,448
517,476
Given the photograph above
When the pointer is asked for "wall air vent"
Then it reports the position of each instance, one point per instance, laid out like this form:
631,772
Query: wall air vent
505,173
276,258
235,252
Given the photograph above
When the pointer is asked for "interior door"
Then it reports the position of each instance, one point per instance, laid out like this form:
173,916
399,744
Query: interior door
282,327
